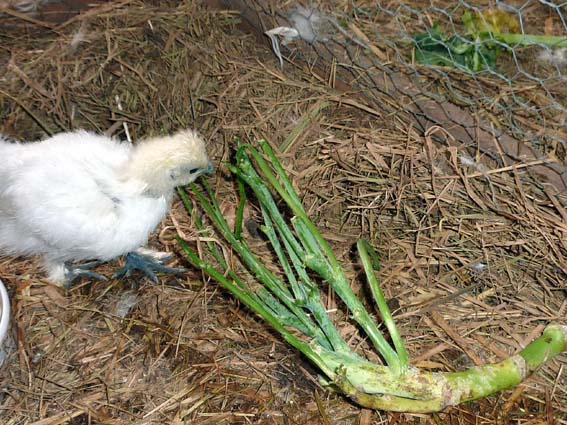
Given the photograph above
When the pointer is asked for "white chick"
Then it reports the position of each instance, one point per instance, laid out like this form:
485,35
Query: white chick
80,196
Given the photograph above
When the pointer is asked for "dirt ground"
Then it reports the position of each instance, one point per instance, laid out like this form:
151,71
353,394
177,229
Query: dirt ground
473,254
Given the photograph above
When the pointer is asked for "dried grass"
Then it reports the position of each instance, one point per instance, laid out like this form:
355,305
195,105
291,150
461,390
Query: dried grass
473,261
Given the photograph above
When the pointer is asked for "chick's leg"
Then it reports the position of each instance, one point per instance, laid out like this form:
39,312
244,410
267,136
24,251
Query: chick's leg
64,274
55,271
148,262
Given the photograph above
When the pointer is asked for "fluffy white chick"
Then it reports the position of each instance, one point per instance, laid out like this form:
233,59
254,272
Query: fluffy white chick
81,196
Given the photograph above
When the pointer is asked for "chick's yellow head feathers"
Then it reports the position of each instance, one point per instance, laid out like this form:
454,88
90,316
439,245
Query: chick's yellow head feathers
164,163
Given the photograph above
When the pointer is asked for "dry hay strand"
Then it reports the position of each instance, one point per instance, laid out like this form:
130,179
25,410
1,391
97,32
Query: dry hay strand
473,258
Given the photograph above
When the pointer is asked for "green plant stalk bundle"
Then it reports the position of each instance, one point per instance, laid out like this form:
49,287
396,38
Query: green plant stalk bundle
292,304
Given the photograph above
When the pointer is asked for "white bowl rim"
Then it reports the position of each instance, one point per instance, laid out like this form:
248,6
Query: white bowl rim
5,317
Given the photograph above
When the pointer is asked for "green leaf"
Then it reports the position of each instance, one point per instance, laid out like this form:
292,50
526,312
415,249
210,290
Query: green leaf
435,48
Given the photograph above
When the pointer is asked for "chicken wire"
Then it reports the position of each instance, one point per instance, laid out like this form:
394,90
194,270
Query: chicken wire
509,114
527,82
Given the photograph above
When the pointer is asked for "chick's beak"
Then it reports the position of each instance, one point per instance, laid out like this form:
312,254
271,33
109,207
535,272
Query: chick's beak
210,168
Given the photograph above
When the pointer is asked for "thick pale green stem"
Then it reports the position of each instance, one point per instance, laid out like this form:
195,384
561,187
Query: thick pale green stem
377,387
481,381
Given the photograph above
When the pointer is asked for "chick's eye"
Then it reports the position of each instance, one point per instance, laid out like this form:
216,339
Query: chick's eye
193,170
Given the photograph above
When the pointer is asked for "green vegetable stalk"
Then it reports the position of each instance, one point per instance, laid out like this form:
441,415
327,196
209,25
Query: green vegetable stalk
485,34
289,300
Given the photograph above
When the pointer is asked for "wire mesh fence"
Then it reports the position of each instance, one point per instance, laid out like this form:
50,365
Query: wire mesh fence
491,74
522,86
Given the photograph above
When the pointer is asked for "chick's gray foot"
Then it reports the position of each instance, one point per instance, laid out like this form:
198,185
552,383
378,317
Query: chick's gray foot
148,262
76,271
